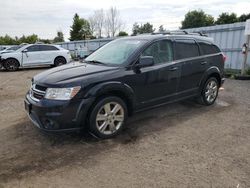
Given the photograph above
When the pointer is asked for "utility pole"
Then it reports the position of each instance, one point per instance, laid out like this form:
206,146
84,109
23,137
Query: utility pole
247,33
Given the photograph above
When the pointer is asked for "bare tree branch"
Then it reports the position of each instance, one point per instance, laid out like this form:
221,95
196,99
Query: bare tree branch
99,17
114,21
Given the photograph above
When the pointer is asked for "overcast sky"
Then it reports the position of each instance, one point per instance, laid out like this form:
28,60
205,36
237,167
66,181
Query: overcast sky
45,17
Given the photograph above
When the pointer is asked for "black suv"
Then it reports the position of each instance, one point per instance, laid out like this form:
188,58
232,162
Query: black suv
125,76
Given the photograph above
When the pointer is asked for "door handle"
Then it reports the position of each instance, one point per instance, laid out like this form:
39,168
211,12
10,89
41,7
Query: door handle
173,68
203,63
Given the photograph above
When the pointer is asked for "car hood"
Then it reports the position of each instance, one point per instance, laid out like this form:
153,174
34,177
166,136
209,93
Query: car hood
70,74
6,54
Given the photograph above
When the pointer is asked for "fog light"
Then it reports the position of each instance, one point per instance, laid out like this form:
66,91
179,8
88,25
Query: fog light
50,124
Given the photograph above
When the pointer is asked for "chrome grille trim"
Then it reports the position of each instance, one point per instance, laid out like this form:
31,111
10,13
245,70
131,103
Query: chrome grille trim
34,90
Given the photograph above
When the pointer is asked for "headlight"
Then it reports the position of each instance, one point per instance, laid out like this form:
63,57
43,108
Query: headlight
62,93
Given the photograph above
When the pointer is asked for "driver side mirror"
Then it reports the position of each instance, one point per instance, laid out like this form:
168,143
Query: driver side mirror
25,51
145,61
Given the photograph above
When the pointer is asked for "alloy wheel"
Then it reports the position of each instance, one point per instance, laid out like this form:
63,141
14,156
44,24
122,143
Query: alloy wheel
211,91
110,118
11,65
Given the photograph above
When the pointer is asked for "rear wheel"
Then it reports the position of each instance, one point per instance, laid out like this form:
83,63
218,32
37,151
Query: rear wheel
11,64
59,61
209,92
107,117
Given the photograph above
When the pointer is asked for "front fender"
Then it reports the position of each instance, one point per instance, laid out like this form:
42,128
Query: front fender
113,87
107,87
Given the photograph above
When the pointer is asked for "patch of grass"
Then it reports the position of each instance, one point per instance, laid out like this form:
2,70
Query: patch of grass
247,72
229,73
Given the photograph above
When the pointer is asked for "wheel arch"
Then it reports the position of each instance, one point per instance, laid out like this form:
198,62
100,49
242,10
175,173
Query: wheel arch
117,89
19,64
211,72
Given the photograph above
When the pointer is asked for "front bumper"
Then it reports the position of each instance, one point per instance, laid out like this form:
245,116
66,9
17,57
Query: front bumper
58,116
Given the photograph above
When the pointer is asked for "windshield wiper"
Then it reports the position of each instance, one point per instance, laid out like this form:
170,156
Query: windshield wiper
95,62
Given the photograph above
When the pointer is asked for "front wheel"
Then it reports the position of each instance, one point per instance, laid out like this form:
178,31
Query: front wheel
209,92
11,65
107,117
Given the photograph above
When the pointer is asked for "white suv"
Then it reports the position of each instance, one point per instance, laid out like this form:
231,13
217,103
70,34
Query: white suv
33,55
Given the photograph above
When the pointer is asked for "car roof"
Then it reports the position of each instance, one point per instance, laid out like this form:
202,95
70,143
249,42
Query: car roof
152,37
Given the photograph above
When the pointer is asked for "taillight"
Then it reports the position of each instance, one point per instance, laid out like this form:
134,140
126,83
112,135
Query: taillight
224,58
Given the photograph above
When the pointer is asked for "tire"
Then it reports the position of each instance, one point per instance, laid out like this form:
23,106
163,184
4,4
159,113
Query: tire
209,92
60,61
11,64
107,117
1,65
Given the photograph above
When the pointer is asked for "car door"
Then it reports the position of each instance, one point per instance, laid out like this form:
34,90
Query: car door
48,53
31,56
192,64
157,83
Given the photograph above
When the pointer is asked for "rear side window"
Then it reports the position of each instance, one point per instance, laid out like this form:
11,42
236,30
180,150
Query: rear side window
162,51
207,48
47,48
186,49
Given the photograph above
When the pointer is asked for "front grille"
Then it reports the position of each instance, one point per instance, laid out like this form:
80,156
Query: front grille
41,88
37,92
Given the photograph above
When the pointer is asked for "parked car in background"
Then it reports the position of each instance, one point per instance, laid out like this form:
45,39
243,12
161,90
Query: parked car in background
2,48
12,48
34,55
125,76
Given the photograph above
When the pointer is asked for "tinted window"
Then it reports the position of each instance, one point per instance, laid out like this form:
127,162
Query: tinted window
33,48
207,48
161,51
47,48
185,49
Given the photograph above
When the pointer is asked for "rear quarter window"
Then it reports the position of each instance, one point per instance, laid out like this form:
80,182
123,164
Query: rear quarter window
207,48
186,49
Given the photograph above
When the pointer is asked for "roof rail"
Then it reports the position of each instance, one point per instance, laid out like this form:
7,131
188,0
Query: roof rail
179,32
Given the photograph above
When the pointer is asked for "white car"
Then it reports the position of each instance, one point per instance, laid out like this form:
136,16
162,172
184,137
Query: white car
34,55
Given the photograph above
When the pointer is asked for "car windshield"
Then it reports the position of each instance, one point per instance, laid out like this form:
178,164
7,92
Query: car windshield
116,52
14,48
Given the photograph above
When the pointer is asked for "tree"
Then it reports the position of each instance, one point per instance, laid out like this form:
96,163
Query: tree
226,18
197,18
7,40
145,28
244,17
122,34
46,41
113,21
92,24
99,17
28,39
59,37
161,29
135,29
80,29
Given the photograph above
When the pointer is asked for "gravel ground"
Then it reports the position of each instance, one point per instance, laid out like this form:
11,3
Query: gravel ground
178,145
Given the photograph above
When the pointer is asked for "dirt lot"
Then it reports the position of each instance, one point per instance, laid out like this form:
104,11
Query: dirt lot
178,145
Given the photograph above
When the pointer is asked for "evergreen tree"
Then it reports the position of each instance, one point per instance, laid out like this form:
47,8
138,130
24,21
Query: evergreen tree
80,29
